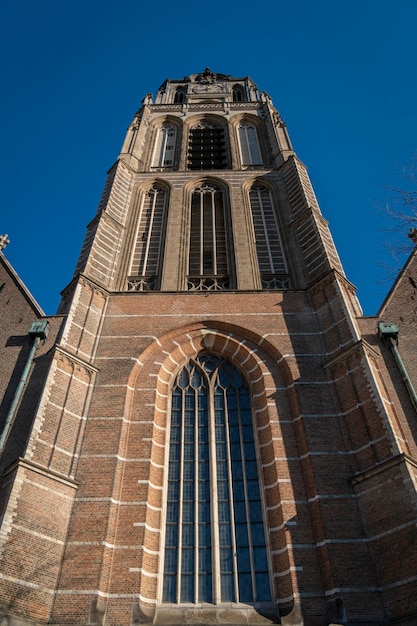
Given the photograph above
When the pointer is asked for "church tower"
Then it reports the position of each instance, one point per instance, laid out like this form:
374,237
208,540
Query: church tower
218,438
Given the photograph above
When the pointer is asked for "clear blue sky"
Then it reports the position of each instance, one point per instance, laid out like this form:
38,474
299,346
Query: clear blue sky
342,75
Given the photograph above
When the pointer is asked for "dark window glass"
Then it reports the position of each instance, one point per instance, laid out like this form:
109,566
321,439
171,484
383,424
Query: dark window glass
224,502
207,148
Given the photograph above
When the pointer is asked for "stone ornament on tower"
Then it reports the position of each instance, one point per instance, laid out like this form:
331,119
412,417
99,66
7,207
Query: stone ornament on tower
4,240
207,77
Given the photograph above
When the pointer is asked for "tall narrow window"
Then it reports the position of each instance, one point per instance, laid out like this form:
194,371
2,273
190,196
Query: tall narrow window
249,146
238,93
207,147
179,96
271,260
165,146
208,264
147,255
215,549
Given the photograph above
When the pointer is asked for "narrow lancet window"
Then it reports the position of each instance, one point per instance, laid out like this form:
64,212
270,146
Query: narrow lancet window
215,548
165,147
271,261
238,93
179,97
208,262
249,145
147,256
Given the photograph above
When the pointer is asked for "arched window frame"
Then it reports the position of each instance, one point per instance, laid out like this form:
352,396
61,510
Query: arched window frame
210,263
272,265
214,500
238,93
147,256
179,96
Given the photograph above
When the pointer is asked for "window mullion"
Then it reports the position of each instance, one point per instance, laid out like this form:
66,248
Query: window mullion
231,503
248,147
180,504
133,265
243,145
196,501
268,247
245,488
163,147
213,227
201,233
214,500
254,146
149,234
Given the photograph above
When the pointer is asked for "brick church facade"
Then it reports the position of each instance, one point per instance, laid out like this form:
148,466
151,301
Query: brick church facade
209,431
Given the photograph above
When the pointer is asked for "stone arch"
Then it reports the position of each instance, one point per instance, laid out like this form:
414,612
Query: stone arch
192,186
258,124
262,202
273,397
238,93
138,230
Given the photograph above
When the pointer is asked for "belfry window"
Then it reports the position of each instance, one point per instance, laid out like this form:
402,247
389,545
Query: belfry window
238,93
208,263
179,96
272,266
165,146
207,147
145,267
215,548
249,145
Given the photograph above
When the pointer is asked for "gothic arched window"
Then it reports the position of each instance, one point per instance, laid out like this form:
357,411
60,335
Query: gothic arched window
272,266
165,146
147,256
179,96
208,262
207,147
238,93
215,548
249,145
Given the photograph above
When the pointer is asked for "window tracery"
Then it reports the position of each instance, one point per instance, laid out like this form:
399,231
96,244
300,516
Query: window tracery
271,261
208,262
215,548
147,255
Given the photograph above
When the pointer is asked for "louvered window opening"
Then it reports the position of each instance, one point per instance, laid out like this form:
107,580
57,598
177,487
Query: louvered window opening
272,266
207,148
215,548
144,273
208,267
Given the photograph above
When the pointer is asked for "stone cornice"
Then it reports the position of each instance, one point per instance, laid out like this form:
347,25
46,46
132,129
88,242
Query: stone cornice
75,359
384,465
40,469
360,345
